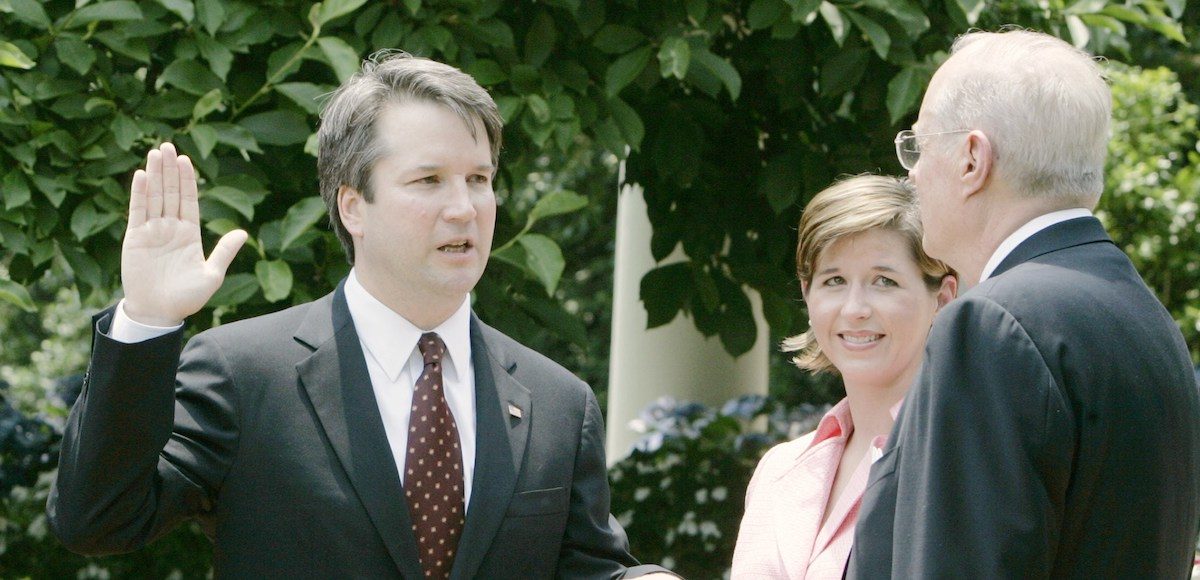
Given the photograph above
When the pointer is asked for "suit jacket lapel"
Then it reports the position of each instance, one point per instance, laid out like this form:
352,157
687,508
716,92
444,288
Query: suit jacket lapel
1073,232
338,385
500,437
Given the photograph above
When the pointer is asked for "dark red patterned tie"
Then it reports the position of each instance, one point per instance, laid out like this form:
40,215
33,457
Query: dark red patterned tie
433,473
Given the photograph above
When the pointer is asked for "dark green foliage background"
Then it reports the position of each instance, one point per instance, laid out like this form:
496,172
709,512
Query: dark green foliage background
730,113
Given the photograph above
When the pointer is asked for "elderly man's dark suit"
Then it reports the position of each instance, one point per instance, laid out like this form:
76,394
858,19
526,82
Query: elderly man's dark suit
267,432
1054,430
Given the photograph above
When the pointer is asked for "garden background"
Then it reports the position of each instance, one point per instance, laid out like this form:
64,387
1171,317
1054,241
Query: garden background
731,114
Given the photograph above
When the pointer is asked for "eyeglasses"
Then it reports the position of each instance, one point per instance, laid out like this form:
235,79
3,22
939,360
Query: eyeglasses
908,148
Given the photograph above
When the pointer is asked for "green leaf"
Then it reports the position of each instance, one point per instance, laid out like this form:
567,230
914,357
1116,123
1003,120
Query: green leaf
674,56
551,315
30,12
765,13
183,8
413,6
1086,7
219,57
623,70
300,219
75,53
876,34
544,259
721,69
539,41
113,11
342,58
210,14
135,48
555,203
211,101
236,136
235,290
233,198
16,295
908,13
278,127
782,181
124,131
617,38
833,19
323,12
487,72
189,76
275,278
1176,7
973,8
1131,15
15,190
843,71
205,138
13,57
804,11
538,107
1080,33
904,90
628,121
306,95
664,292
86,221
83,266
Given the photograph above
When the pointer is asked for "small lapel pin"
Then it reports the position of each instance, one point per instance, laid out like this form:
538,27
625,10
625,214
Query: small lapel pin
514,410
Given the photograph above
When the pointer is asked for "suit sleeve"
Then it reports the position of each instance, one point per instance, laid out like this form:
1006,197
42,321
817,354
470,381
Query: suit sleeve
146,444
595,545
984,442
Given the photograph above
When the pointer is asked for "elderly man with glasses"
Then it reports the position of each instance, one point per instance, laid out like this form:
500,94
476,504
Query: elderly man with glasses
1054,429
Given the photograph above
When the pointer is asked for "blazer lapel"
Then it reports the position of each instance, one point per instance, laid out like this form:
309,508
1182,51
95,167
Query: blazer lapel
338,385
503,409
800,494
1073,232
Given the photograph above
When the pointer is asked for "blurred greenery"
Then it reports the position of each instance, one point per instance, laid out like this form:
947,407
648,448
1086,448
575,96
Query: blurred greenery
731,113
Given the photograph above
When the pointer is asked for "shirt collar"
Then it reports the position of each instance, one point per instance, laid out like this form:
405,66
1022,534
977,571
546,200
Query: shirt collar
390,339
837,422
1025,232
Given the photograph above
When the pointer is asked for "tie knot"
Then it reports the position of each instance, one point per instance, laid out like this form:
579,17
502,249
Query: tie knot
432,348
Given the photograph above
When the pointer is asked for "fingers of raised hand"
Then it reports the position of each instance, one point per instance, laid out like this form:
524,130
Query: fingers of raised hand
170,180
189,198
154,183
227,247
137,199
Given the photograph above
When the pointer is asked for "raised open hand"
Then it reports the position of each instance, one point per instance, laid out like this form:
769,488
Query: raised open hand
163,270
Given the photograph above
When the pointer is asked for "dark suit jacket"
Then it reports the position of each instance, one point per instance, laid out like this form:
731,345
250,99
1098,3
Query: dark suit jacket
1053,431
267,431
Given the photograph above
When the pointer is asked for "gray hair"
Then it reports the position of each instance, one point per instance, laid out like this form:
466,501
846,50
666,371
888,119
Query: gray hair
348,146
1044,105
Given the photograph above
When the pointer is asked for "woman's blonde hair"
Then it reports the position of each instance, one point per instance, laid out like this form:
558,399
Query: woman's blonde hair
851,206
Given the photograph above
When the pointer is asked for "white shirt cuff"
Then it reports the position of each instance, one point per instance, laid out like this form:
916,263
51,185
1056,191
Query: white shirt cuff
127,330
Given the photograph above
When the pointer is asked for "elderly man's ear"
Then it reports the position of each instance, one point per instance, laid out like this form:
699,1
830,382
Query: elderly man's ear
976,162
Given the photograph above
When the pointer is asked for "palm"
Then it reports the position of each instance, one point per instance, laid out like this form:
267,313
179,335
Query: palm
163,270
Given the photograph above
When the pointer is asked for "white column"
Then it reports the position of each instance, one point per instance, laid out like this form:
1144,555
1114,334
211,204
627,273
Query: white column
674,359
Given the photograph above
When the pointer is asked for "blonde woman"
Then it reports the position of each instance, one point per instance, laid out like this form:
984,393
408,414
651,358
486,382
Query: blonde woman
871,293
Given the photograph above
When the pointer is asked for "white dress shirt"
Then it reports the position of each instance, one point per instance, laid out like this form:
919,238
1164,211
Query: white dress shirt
389,344
1025,232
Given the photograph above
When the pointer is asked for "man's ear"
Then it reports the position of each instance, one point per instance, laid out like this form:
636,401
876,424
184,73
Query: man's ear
977,161
350,203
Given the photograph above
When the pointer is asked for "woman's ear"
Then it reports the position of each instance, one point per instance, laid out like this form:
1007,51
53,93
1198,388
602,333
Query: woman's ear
947,291
349,203
804,290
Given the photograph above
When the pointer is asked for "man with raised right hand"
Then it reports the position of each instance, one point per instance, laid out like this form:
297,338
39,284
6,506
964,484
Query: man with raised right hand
381,431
